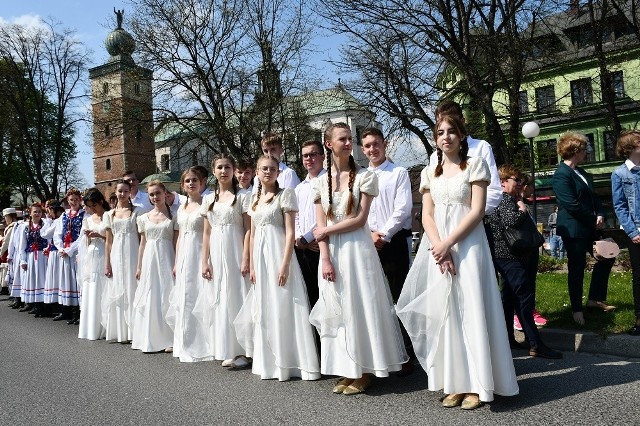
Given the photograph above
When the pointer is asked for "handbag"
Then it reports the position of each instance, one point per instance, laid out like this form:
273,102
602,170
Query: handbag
524,239
605,248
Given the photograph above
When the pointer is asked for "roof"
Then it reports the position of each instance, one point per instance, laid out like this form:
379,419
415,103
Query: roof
326,101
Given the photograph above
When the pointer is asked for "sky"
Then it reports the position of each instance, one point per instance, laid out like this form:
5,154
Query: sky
93,20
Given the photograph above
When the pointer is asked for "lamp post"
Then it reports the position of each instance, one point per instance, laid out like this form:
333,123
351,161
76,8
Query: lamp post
530,130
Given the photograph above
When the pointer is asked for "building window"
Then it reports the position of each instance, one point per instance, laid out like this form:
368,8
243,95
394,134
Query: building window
136,88
617,84
610,143
523,102
545,99
105,88
547,152
591,152
581,93
164,162
108,164
106,107
107,131
138,133
194,158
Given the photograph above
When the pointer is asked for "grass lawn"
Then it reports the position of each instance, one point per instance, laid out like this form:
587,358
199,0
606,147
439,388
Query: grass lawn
552,301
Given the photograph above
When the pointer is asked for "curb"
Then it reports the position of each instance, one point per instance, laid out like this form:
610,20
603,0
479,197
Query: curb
621,345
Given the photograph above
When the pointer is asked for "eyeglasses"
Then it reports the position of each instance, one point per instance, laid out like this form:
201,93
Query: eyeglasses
516,180
311,155
268,169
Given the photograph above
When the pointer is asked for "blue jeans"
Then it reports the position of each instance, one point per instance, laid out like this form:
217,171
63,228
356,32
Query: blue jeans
556,247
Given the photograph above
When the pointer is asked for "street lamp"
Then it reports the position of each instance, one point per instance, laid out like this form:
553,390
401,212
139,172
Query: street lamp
530,130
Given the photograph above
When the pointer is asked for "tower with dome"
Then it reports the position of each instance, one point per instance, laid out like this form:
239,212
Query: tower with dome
121,104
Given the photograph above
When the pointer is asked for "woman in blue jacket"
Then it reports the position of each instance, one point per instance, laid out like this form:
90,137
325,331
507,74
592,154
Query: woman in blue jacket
625,187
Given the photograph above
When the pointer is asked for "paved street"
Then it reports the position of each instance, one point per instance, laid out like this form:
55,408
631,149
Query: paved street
51,377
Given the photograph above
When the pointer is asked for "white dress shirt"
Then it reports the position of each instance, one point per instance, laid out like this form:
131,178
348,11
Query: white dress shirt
481,148
141,200
287,178
177,200
306,216
391,209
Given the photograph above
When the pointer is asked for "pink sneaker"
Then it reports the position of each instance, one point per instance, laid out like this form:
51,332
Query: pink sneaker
539,319
516,323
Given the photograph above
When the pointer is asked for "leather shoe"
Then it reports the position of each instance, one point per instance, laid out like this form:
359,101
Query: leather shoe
342,384
471,402
635,331
407,369
543,351
358,385
59,317
26,308
600,305
452,400
514,344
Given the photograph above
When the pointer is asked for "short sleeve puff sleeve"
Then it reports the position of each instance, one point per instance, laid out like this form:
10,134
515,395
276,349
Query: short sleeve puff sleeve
288,200
206,202
316,187
369,183
176,225
478,170
425,180
244,198
252,199
140,222
106,220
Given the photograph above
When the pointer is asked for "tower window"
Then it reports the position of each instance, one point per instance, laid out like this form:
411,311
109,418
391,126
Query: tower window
136,88
107,131
106,107
105,88
164,162
138,133
108,164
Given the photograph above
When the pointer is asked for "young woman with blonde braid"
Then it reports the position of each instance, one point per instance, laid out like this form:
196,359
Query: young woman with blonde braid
273,324
359,332
225,260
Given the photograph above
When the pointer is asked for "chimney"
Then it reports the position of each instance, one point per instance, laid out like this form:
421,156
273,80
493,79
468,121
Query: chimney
574,7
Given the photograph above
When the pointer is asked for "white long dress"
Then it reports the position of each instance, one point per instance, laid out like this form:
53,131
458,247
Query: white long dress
32,290
119,291
53,263
151,333
456,322
190,341
15,252
91,280
359,331
219,305
273,324
67,237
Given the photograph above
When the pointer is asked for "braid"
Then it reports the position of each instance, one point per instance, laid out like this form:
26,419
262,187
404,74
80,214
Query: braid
274,195
352,178
215,196
257,195
330,184
234,185
168,210
130,205
464,150
439,165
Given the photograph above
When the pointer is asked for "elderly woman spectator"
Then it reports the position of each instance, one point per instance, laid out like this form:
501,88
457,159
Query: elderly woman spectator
580,215
625,187
518,272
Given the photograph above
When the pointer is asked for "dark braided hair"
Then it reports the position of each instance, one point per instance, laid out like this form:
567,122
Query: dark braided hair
328,135
461,131
234,180
275,160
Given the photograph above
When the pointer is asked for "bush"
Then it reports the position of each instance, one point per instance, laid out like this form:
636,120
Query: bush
548,263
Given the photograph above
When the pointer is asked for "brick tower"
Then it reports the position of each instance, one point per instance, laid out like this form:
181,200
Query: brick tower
122,114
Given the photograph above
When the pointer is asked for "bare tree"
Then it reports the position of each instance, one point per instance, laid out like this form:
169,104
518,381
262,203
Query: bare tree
42,70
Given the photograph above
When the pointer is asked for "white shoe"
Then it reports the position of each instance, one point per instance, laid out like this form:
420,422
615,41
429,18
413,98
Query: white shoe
227,363
241,362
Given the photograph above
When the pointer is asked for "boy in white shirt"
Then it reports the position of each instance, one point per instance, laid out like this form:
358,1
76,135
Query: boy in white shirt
271,144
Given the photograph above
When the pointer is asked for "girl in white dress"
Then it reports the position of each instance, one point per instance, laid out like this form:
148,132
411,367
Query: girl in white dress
121,262
66,238
54,212
273,324
91,277
450,303
225,261
190,340
359,332
156,256
33,261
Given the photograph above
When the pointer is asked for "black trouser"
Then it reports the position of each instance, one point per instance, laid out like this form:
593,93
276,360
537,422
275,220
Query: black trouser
634,257
517,293
309,261
577,249
394,257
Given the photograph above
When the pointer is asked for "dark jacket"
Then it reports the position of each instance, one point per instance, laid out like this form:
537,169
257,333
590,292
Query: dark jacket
506,214
578,204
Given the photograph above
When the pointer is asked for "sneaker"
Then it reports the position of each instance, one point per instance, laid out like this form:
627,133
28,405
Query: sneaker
516,323
538,319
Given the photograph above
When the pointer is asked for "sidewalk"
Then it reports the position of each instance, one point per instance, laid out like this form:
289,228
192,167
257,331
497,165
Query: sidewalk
622,345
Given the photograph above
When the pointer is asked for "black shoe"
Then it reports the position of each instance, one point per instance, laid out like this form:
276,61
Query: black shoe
543,351
635,331
406,370
61,316
12,304
18,305
4,291
514,344
26,308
